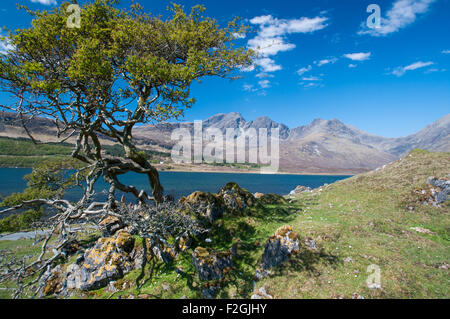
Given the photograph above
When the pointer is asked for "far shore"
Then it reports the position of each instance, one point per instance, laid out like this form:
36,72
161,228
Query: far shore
225,170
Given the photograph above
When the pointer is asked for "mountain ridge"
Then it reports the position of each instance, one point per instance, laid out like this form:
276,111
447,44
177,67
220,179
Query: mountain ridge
321,145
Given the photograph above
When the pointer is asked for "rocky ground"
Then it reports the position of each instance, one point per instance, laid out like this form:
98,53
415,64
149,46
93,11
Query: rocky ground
321,243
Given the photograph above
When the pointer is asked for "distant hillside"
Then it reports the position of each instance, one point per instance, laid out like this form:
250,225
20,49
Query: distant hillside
321,146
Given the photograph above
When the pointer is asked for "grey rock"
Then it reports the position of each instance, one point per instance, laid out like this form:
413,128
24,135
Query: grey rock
444,185
209,293
311,243
211,265
107,261
279,247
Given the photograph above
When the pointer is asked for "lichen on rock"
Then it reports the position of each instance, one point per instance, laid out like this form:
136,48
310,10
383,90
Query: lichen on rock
273,199
108,260
278,249
236,199
208,206
110,225
211,265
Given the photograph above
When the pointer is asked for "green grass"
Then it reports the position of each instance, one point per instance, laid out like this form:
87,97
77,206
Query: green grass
367,218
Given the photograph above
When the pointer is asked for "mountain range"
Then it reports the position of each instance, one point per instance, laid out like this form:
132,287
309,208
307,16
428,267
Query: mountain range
322,146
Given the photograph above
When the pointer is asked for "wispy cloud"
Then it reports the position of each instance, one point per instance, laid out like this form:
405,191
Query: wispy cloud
361,56
311,78
264,84
326,61
446,51
272,37
249,87
303,70
399,71
45,2
402,13
351,65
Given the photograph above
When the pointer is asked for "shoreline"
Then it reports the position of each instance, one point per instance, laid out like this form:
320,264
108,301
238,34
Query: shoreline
231,171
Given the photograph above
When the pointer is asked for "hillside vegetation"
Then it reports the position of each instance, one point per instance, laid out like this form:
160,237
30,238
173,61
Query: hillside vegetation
22,152
369,219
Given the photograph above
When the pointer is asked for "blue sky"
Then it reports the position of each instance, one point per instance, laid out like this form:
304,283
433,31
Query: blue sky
318,59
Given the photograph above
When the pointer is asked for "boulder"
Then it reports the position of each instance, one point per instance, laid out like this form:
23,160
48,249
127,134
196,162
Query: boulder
52,282
211,265
443,185
165,254
300,189
273,199
108,260
110,225
236,199
279,247
209,206
258,195
71,247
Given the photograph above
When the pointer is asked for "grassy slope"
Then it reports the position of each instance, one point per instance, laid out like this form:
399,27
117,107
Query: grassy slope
365,218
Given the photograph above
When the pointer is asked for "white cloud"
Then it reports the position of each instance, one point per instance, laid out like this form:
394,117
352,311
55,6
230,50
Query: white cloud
402,13
311,78
361,56
326,61
311,84
45,2
269,46
433,70
446,51
264,84
5,46
273,27
351,65
271,37
399,71
248,87
304,70
268,65
263,75
238,35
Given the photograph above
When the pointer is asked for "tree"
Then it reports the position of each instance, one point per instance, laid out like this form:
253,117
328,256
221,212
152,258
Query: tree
120,68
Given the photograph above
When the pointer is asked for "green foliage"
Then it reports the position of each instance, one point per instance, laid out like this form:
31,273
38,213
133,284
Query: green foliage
25,147
21,221
118,54
47,180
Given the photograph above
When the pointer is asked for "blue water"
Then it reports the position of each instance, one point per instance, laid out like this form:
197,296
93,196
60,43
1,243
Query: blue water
184,183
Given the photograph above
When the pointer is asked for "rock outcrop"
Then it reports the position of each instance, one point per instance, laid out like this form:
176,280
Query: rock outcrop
211,265
236,199
209,206
231,199
443,185
110,225
273,199
108,260
278,249
434,193
300,189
